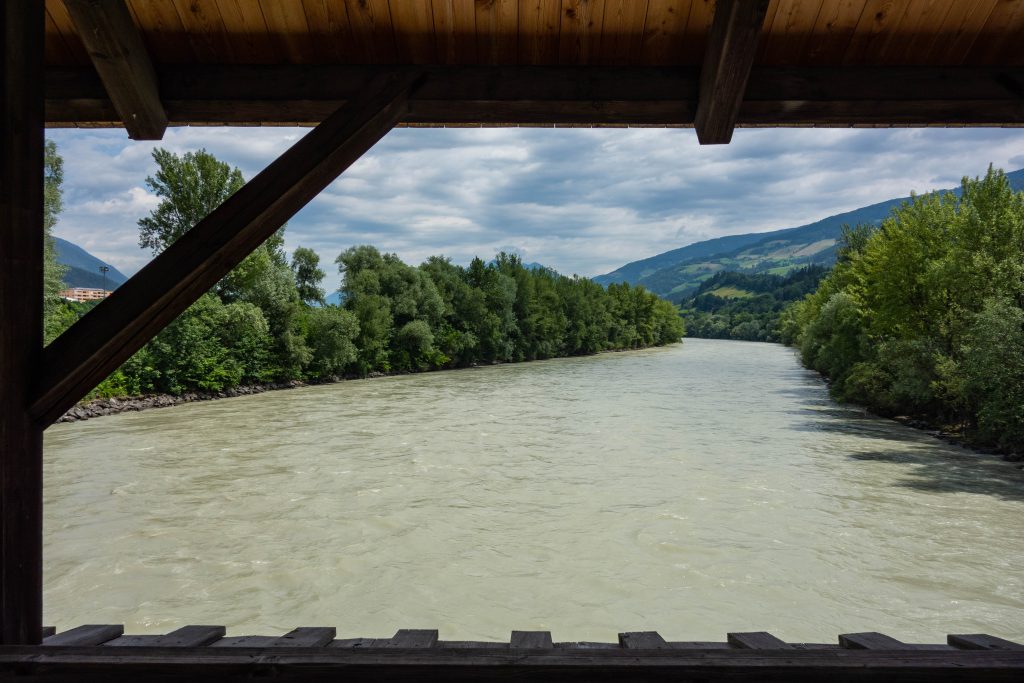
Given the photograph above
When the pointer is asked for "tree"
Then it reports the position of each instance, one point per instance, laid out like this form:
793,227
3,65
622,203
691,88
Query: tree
55,316
190,187
308,276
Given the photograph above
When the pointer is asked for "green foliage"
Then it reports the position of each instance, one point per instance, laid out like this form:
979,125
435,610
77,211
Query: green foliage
189,187
55,316
308,276
925,315
756,314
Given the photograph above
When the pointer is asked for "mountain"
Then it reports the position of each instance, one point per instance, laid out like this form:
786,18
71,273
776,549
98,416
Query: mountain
678,273
84,268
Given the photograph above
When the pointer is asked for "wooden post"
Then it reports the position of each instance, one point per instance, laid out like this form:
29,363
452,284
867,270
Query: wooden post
21,320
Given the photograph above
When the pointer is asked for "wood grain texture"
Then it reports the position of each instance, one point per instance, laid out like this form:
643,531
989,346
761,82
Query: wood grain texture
539,28
728,60
870,640
455,31
120,325
531,639
21,320
121,60
982,641
197,665
186,636
86,635
758,640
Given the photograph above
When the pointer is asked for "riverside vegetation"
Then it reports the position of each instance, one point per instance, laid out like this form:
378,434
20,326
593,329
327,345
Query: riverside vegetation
266,322
924,316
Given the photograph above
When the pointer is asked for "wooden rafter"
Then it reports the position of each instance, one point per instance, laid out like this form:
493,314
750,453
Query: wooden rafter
98,343
565,95
21,320
119,55
728,59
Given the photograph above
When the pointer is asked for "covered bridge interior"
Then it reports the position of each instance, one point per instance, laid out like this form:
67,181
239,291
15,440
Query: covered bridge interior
356,68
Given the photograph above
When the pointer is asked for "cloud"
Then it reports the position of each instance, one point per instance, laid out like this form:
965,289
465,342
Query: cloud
579,200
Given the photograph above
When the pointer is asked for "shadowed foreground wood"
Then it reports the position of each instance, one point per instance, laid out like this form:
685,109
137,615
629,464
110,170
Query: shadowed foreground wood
529,655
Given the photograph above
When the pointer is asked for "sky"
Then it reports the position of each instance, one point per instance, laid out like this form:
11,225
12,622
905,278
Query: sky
581,201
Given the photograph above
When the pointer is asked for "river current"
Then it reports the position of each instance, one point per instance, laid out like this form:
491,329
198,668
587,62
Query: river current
693,490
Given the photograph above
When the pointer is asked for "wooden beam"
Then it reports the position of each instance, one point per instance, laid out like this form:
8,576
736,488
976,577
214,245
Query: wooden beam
119,326
119,55
613,96
21,320
728,59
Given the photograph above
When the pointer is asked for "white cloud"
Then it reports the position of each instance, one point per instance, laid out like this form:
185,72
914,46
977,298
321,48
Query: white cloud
579,200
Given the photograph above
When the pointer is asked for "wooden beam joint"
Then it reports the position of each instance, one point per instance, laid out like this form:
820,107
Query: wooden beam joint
732,45
122,62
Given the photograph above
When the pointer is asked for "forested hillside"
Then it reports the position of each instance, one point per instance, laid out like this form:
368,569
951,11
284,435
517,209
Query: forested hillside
925,315
746,306
267,320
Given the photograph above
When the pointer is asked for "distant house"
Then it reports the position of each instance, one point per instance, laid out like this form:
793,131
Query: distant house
85,294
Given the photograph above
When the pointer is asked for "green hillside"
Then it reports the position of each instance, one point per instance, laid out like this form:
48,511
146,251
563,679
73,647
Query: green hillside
677,274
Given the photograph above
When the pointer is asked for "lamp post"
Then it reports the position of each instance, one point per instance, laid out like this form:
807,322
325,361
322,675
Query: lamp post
104,269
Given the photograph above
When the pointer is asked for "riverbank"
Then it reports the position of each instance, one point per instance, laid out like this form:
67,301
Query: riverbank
102,407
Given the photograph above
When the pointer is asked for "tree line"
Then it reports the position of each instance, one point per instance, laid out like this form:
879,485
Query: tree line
267,321
924,316
752,311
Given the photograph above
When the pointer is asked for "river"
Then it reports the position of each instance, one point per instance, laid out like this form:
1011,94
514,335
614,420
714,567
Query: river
696,489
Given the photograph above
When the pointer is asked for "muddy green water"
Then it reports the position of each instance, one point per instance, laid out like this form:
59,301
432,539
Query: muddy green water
692,490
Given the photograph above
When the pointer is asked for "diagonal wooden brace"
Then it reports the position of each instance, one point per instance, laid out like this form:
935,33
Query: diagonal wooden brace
97,344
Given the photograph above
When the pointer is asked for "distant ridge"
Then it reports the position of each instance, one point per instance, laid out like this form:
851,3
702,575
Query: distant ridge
676,274
84,268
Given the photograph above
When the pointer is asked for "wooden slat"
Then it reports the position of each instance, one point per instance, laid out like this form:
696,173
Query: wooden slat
539,28
873,30
642,640
785,38
471,645
121,60
186,636
413,24
247,32
62,21
163,32
531,639
623,31
455,31
245,641
870,641
412,638
21,320
757,640
579,40
371,31
727,63
306,636
664,25
84,636
286,23
960,30
204,30
352,642
200,665
832,32
329,31
120,325
981,641
497,31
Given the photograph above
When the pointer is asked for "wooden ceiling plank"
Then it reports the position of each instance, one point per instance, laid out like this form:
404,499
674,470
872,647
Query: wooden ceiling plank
247,31
912,39
65,26
204,29
832,32
162,31
330,31
455,31
623,31
581,23
732,46
100,341
372,33
662,42
121,60
56,49
790,30
413,24
287,26
1001,38
497,31
877,23
540,26
959,30
698,25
